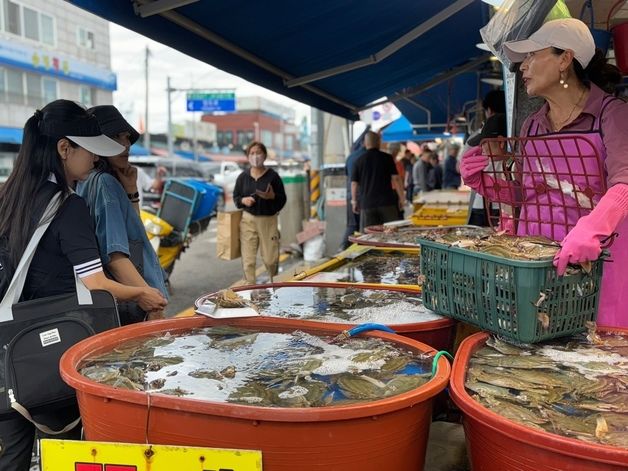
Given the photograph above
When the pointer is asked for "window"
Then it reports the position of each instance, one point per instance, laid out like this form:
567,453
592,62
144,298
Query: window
12,20
244,137
267,138
85,38
36,26
3,84
47,29
228,138
31,24
49,89
33,90
15,87
87,96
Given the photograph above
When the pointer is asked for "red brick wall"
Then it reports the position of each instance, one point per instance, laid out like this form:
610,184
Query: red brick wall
243,121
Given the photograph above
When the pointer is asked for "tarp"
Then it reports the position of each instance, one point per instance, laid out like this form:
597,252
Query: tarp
271,43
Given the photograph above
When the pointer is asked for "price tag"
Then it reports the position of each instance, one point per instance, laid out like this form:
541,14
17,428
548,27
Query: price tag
68,455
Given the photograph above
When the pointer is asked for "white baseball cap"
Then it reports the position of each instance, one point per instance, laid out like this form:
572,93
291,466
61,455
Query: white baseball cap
568,33
100,145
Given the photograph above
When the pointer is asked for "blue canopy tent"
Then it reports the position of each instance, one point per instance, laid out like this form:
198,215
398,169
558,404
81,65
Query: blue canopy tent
339,57
401,130
186,154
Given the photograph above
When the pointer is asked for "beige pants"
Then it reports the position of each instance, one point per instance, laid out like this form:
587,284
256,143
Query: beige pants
262,232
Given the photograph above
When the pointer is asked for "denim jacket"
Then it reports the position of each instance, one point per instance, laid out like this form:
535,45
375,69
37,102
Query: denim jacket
118,225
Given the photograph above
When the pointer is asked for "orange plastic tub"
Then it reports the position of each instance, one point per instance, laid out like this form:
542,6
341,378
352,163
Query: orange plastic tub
495,443
388,434
437,333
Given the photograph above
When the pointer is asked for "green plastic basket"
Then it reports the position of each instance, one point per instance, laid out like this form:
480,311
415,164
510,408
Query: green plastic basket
519,300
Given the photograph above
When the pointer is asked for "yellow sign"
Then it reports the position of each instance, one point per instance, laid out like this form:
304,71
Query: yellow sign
68,455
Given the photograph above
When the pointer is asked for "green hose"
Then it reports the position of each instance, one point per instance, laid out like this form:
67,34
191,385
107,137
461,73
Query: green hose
436,357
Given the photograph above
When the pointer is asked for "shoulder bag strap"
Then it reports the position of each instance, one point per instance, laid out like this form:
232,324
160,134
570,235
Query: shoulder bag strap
44,428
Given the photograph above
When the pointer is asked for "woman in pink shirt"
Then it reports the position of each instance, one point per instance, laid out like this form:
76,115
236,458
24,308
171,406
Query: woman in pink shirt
588,201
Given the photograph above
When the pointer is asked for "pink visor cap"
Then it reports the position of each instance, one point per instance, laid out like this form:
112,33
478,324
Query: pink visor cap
568,33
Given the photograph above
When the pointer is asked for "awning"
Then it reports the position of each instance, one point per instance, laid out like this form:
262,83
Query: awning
11,136
401,130
336,56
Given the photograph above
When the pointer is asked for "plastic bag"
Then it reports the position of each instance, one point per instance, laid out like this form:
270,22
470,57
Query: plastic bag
518,19
314,249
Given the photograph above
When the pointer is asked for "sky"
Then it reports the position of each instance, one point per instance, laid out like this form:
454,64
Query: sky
127,60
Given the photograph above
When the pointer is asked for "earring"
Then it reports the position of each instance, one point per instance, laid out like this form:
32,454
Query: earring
563,82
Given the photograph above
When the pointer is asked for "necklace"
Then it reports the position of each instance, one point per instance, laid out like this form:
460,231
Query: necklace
558,126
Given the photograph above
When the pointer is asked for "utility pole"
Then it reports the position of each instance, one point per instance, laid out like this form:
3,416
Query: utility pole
170,140
146,132
194,139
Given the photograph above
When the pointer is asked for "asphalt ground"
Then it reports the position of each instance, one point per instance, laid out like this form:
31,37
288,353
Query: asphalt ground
199,271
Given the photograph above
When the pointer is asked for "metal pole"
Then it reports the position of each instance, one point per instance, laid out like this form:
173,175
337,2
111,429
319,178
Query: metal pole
170,140
194,135
146,132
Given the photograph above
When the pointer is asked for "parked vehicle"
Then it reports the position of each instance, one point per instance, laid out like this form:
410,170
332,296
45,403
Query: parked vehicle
223,174
175,169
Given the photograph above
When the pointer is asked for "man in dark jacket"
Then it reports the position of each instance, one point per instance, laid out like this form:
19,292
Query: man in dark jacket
372,181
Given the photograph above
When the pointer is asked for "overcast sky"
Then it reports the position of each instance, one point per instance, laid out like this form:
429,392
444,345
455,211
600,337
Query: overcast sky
127,60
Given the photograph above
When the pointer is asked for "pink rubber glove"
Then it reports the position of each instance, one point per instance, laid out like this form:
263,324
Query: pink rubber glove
584,241
495,189
473,162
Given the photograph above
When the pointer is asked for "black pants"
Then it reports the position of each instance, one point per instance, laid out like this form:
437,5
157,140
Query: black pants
353,225
18,435
375,216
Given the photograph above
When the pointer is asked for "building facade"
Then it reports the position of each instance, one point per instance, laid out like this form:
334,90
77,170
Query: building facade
258,119
48,50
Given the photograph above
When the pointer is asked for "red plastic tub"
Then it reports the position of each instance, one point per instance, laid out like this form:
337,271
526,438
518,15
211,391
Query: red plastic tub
438,334
495,443
386,434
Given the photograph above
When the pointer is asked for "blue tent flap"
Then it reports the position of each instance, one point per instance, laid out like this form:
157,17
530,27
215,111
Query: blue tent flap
271,43
10,135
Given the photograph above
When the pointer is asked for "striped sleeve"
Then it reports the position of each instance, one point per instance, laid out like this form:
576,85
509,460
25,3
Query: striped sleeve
88,268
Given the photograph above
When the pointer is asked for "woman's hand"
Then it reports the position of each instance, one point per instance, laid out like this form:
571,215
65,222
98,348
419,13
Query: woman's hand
473,163
269,194
128,178
581,245
584,241
248,201
151,299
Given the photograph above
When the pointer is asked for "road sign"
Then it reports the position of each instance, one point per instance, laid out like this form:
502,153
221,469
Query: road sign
211,101
68,455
